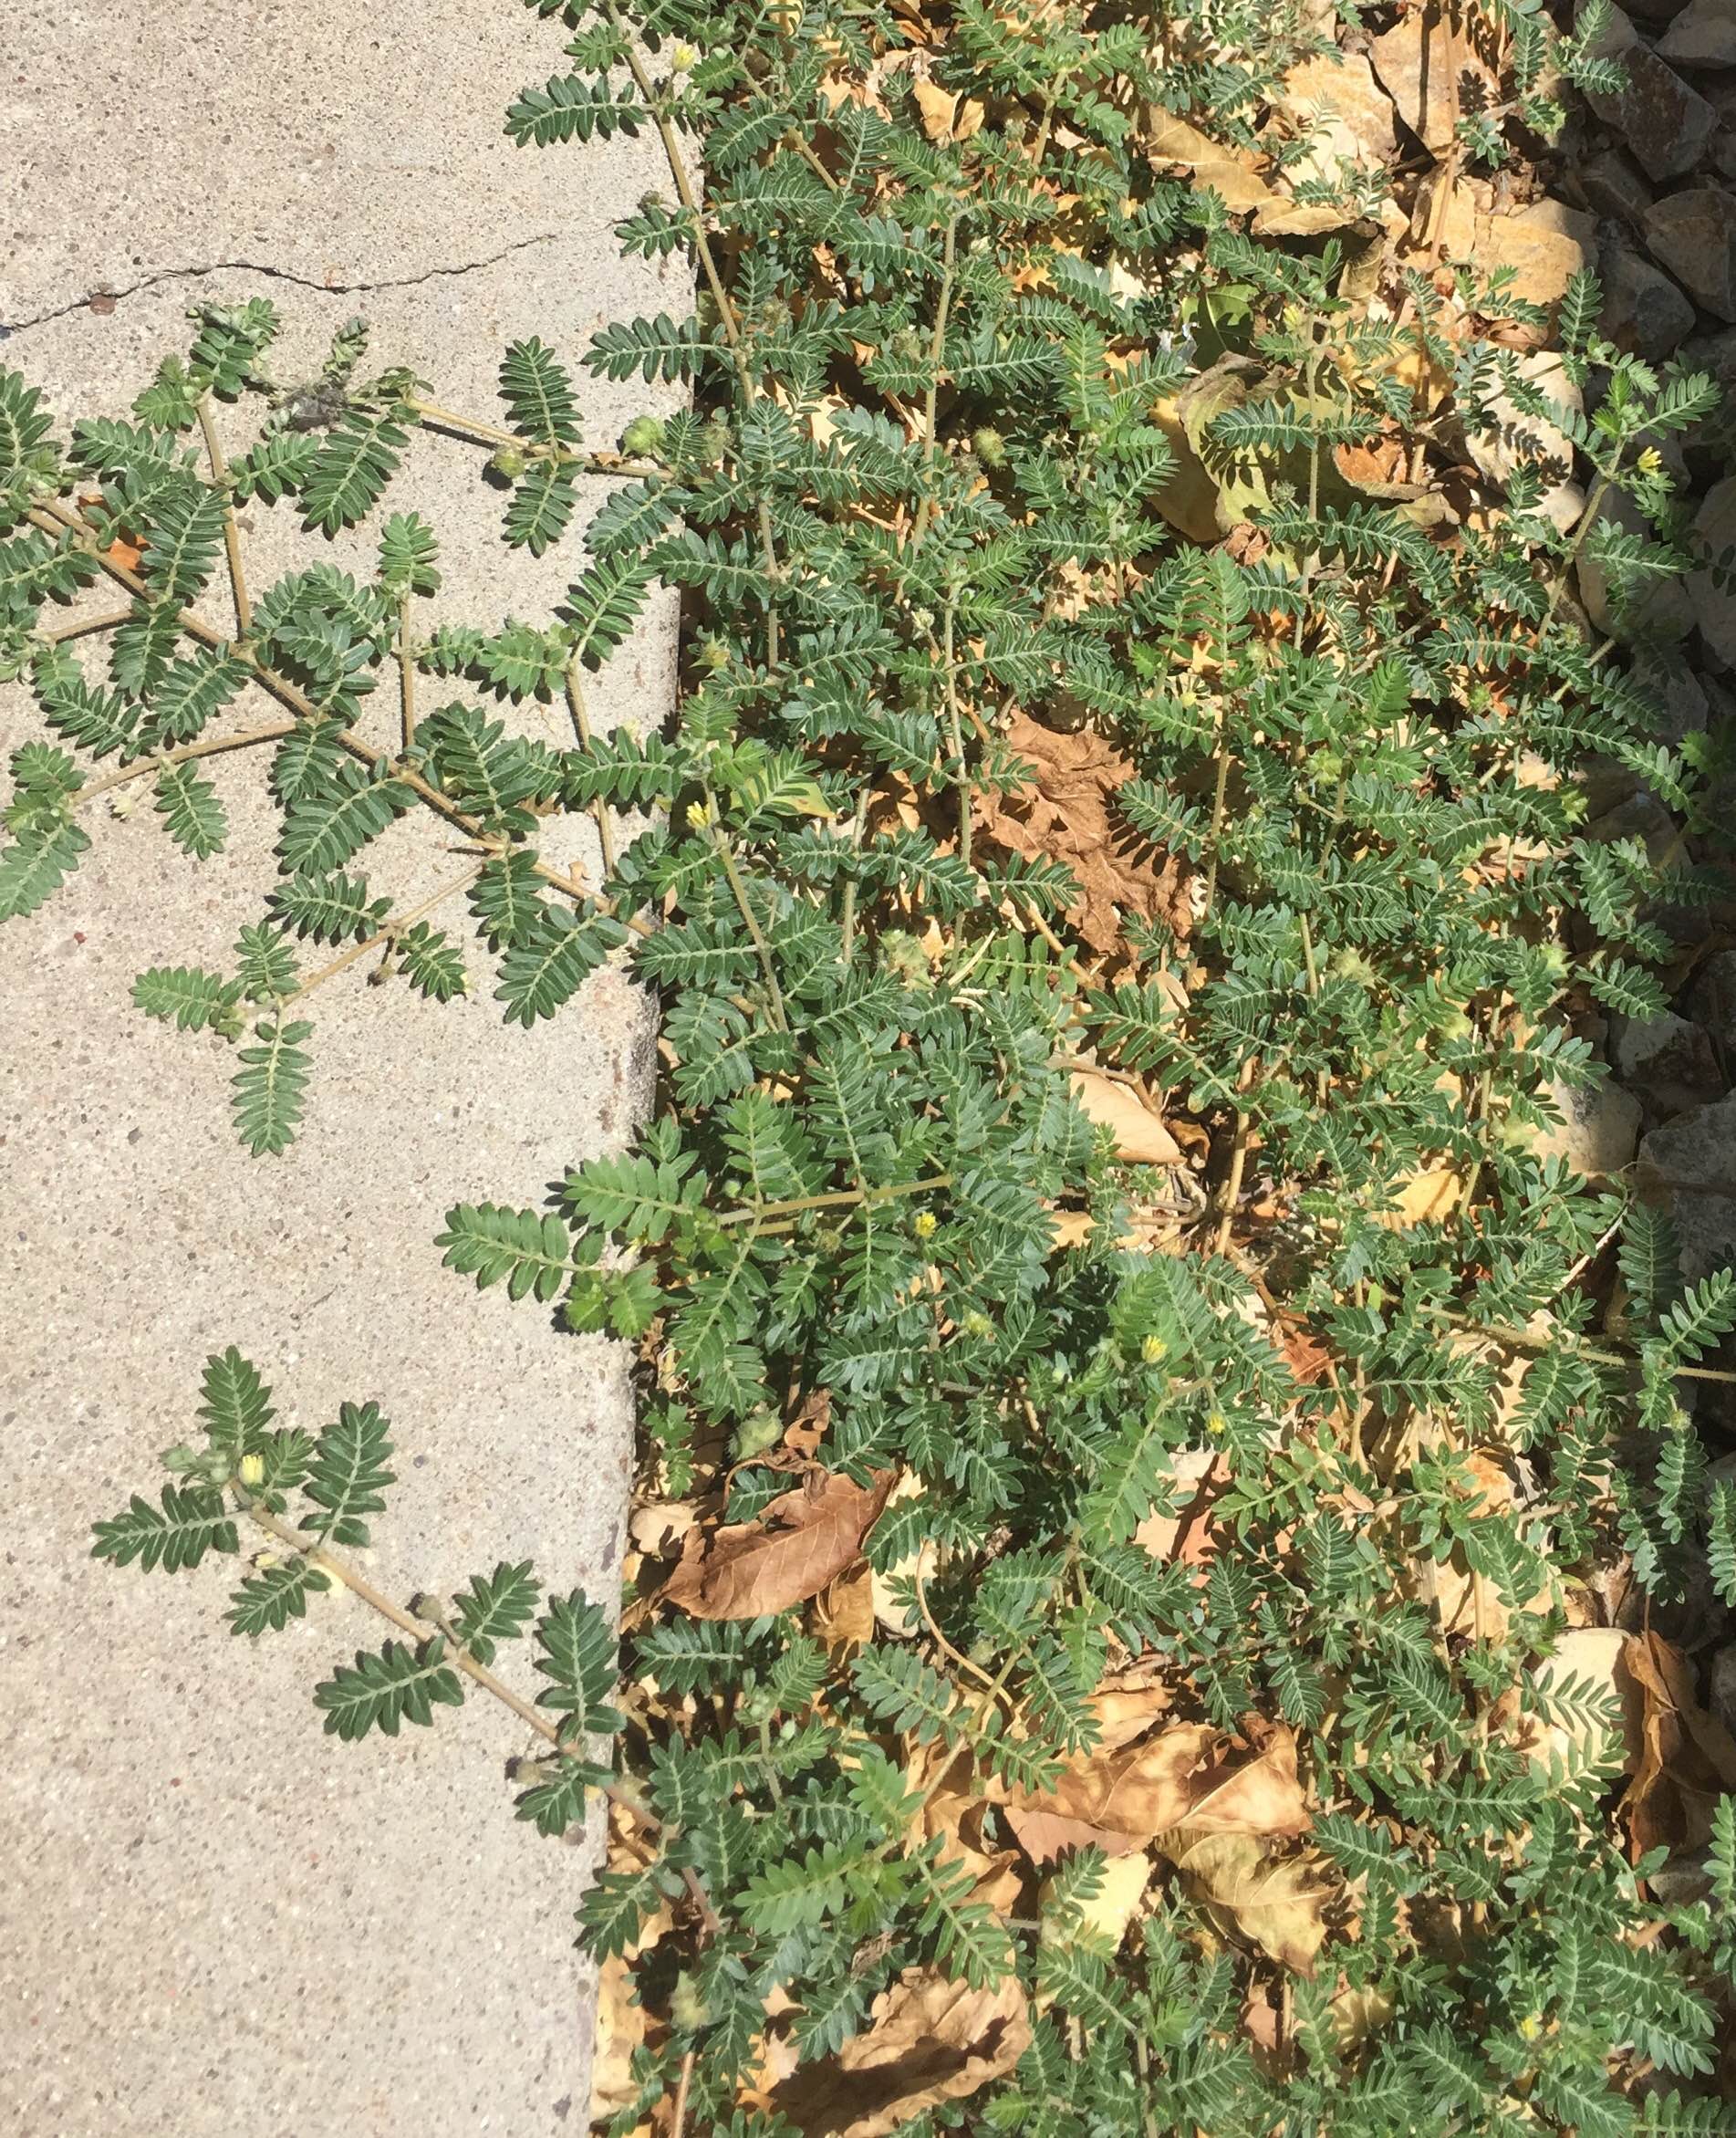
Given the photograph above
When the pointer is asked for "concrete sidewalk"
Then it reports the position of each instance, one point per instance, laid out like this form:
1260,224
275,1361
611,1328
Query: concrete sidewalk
217,1921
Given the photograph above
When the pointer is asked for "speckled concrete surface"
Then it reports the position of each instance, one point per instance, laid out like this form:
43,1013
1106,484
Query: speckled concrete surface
217,1921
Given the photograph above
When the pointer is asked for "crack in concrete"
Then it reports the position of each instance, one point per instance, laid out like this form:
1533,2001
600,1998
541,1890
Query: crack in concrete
79,304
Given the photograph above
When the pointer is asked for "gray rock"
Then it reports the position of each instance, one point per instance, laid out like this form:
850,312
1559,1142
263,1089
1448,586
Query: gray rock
1667,1062
1666,125
1614,185
1644,312
1712,999
1677,696
1693,233
1715,354
1691,1164
1510,439
1702,35
1720,1689
1715,605
1657,607
1599,1130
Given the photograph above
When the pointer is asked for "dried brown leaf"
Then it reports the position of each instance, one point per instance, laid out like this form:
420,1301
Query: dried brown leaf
930,2040
1686,1759
1182,1776
1141,1137
787,1555
1068,814
1277,1902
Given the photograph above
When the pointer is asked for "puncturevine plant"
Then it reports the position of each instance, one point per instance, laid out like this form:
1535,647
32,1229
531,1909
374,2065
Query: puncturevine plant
1118,1698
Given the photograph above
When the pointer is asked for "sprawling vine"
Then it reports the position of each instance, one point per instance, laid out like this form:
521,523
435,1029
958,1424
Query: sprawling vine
1087,1663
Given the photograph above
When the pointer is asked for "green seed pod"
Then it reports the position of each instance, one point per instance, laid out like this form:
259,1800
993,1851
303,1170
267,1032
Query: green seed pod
643,434
989,446
687,2005
509,461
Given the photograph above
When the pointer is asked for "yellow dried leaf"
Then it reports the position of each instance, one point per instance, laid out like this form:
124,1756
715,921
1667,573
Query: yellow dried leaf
1424,1198
945,116
1277,1902
844,1611
1111,1909
1141,1137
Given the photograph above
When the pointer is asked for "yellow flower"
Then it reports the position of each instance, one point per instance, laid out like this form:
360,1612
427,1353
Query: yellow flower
926,1225
253,1469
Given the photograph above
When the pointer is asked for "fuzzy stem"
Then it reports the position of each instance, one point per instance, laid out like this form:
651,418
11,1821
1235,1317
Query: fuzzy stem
728,318
406,673
582,729
347,1575
82,627
394,927
231,532
957,736
937,346
210,748
756,934
56,519
843,1198
435,418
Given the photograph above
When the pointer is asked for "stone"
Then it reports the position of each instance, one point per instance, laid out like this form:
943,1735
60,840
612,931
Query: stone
1510,440
1693,233
1615,185
1715,602
1720,1689
1691,1163
1598,1131
1657,607
1679,705
1644,313
1436,64
1665,125
1702,35
1716,355
1712,999
219,1922
1546,243
1667,1062
1335,102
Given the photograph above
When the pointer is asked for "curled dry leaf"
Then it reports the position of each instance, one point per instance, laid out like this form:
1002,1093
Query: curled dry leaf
1186,1532
1685,1759
1423,1198
930,2040
891,1616
958,1819
1141,1137
946,115
843,1615
1068,814
623,2023
1277,1902
1182,1776
1588,1655
1464,1601
1109,1913
801,1541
